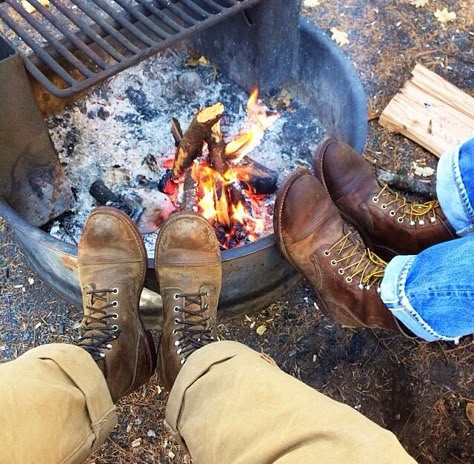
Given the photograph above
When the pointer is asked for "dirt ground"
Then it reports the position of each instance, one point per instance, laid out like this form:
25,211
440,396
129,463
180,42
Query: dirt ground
416,389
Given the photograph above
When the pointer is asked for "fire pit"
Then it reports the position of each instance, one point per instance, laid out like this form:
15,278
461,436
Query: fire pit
266,45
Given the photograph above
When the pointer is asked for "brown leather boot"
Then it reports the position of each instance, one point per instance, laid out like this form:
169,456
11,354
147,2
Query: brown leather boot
314,238
112,265
188,269
389,223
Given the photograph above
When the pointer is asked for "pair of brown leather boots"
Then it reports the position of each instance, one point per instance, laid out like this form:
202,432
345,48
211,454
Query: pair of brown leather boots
112,264
338,227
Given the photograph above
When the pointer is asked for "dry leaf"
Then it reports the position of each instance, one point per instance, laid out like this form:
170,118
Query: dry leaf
340,37
197,61
261,329
444,16
29,8
419,3
470,412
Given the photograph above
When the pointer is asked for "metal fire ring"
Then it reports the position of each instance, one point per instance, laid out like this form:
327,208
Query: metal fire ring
95,39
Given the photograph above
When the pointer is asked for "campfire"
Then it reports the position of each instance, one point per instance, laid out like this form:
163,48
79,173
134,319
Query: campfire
217,179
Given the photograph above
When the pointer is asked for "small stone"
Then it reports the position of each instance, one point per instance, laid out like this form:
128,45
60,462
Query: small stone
189,81
151,433
31,281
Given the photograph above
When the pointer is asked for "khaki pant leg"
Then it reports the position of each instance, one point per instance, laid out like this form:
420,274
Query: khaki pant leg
233,405
55,406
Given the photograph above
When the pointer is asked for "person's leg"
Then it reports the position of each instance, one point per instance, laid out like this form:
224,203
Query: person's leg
57,401
55,406
232,405
432,293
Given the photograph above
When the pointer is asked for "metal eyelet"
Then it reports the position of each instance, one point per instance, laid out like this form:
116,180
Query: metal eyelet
361,286
183,360
177,321
115,303
400,219
333,262
383,206
102,355
108,346
179,351
433,219
176,296
349,279
176,309
412,223
375,200
392,213
421,222
340,271
176,343
174,332
327,252
115,328
115,316
115,290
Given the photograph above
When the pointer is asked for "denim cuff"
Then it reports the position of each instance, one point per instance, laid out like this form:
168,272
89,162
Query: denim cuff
392,292
452,194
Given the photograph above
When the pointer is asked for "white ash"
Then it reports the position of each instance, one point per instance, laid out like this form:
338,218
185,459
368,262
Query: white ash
108,134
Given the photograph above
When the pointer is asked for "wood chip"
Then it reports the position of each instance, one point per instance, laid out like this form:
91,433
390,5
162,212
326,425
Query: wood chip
470,412
261,329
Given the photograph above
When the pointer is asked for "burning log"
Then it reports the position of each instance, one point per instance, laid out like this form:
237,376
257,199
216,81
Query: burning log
105,197
200,129
216,146
260,179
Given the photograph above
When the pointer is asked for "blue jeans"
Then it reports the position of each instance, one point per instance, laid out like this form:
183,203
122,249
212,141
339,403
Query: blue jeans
432,293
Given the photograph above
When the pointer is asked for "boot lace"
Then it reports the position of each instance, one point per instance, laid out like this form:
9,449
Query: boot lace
195,328
413,211
97,331
357,261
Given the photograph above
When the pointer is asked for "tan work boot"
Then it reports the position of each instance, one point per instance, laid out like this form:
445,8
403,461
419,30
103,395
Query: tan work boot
389,223
313,237
112,264
188,269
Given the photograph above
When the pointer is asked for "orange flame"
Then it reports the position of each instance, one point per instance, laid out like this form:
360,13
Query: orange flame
258,120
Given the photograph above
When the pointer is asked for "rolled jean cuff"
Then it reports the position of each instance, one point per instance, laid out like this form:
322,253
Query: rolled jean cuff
86,376
392,292
452,194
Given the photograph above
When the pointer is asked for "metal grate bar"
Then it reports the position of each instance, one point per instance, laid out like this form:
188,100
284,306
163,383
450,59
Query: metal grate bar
104,37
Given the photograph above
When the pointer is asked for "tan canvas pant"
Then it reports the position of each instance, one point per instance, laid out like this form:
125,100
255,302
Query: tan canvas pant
229,405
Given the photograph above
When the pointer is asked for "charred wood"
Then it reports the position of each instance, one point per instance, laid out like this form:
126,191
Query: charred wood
256,177
190,146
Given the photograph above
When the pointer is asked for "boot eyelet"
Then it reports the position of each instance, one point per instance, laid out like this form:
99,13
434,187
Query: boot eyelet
177,321
115,316
400,220
392,213
375,200
333,262
176,296
115,290
176,309
327,252
177,342
383,206
349,279
114,303
433,219
179,351
340,271
422,222
108,346
412,223
115,328
175,332
183,361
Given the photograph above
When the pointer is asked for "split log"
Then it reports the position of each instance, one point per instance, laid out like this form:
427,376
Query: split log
189,202
260,179
405,183
431,112
190,146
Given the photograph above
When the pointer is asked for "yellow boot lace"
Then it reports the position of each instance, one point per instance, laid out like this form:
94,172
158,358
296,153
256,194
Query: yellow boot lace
357,261
414,212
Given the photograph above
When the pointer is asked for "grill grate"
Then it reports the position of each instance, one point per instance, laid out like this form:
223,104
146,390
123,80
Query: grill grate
82,42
